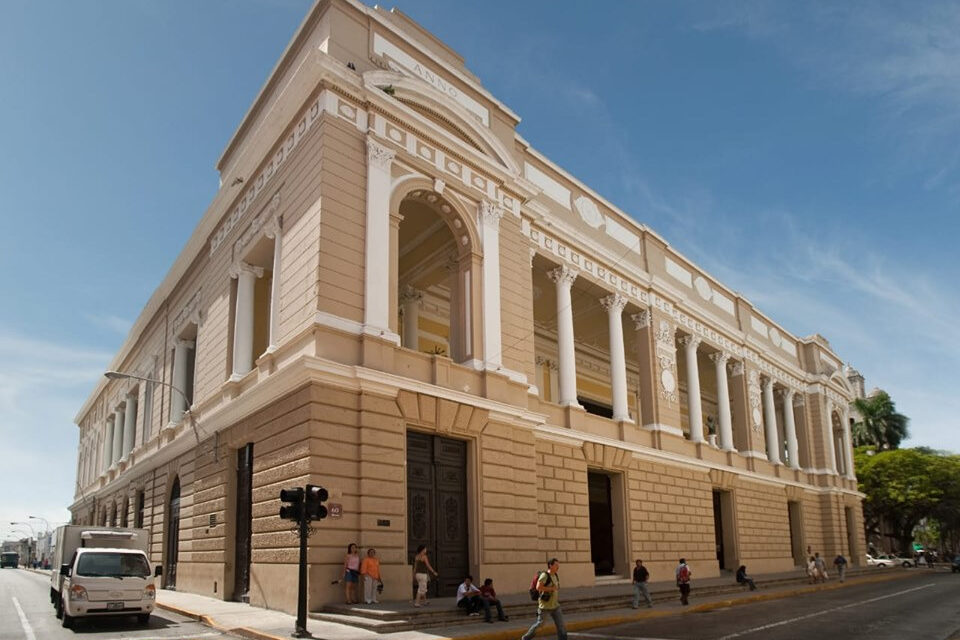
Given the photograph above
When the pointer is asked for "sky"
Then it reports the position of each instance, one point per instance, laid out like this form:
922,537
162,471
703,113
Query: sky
806,154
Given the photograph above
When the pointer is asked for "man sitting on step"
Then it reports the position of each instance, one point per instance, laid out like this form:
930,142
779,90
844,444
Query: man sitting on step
468,597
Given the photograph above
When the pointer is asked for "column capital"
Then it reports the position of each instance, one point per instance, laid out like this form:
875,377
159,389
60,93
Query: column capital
613,303
690,341
786,393
641,320
719,357
239,267
490,213
736,368
379,155
766,383
563,276
182,343
410,294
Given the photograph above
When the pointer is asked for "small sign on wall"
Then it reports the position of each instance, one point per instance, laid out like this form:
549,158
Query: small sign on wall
335,510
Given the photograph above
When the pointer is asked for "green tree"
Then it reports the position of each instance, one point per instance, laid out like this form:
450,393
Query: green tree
902,487
880,425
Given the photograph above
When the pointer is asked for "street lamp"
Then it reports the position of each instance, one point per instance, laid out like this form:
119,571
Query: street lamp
32,530
122,375
46,524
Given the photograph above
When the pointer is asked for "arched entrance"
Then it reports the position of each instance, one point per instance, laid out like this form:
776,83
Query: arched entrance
436,277
173,537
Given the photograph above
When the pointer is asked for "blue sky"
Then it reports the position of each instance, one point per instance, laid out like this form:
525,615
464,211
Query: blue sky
805,153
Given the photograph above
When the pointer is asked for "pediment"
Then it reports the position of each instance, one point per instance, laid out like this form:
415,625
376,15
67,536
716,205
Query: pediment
444,113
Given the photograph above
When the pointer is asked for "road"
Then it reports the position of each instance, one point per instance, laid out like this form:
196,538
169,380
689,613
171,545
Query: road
26,614
923,607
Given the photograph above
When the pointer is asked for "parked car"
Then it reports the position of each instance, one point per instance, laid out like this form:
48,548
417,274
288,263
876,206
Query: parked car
887,560
955,565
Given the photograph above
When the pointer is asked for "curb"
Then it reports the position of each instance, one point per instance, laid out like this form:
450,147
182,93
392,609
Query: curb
609,621
243,632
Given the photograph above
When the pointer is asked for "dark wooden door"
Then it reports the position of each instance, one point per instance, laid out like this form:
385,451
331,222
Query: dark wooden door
241,585
601,524
437,507
718,527
173,536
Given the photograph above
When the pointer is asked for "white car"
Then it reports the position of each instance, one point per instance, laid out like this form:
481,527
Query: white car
886,560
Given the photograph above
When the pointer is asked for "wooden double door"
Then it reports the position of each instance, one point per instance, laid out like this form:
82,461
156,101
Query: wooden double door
437,507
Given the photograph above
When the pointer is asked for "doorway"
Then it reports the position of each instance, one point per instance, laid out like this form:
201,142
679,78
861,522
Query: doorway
795,517
601,523
173,537
244,532
437,507
853,544
724,529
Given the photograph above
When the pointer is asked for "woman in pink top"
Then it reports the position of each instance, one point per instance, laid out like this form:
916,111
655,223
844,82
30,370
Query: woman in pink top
351,573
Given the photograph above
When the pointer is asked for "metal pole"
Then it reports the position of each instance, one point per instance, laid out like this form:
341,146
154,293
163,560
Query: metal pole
301,629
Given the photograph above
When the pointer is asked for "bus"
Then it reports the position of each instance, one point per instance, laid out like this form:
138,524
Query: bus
9,559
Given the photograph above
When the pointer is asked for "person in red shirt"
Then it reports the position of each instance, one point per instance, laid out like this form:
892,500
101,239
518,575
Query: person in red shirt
489,596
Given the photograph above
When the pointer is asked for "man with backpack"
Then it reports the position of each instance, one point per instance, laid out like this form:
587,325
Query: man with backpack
683,581
548,588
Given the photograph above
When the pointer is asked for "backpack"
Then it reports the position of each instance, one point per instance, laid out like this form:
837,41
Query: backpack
534,594
684,576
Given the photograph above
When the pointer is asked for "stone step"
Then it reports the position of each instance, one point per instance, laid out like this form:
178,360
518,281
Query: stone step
389,617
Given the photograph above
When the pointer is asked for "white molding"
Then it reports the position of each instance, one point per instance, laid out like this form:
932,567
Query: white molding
666,428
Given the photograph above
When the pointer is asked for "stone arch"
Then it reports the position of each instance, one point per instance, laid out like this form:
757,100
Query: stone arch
406,186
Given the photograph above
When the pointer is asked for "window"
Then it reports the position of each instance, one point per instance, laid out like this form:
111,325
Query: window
112,564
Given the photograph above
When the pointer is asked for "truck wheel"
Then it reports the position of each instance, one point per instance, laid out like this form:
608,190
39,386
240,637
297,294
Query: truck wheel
66,620
143,618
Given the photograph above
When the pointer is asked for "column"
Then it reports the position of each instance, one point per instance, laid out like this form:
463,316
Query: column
376,303
129,425
490,215
770,423
246,276
563,277
790,427
117,434
723,400
690,344
410,301
107,445
848,444
274,231
178,403
828,449
614,305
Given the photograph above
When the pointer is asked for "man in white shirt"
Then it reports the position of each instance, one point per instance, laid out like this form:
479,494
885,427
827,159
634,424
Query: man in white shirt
468,597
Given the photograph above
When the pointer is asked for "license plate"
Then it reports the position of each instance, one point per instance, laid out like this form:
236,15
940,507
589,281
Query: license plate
114,606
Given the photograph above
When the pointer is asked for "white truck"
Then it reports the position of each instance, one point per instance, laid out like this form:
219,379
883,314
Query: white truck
102,571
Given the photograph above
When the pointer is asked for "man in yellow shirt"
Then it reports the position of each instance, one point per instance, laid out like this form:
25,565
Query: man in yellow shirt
548,584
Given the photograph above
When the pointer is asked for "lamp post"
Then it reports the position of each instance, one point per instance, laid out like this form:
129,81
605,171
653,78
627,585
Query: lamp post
122,375
46,523
47,532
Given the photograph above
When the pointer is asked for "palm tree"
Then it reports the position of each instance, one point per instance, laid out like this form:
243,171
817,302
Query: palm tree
880,425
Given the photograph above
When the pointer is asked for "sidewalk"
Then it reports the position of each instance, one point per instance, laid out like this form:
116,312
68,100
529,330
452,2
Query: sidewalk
260,624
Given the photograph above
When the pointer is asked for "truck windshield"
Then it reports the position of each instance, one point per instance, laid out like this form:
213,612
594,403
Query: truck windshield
112,565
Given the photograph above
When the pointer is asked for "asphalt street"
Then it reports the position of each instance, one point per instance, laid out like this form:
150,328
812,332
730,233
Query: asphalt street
26,614
925,606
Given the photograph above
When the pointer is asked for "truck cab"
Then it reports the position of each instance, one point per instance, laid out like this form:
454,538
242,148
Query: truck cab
107,582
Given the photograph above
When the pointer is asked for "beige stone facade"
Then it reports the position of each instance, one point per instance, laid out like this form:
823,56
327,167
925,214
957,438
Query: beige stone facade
395,296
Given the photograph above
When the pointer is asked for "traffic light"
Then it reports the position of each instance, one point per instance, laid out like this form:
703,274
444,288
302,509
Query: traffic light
293,499
315,498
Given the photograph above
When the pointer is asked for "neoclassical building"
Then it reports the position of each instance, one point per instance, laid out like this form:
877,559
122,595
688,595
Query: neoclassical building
394,295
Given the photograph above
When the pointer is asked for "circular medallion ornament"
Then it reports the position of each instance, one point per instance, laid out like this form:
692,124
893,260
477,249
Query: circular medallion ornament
757,417
703,287
668,381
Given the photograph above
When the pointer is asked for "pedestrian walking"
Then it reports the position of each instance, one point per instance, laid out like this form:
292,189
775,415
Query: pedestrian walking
743,578
640,577
421,565
841,564
821,567
548,585
370,570
683,581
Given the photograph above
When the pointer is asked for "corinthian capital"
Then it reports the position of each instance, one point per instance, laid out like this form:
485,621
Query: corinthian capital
490,213
613,303
641,320
378,155
563,275
240,267
719,357
690,341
